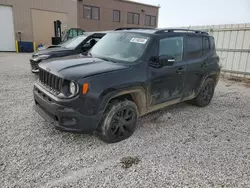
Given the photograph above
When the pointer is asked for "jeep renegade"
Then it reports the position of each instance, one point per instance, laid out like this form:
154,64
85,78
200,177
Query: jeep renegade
127,74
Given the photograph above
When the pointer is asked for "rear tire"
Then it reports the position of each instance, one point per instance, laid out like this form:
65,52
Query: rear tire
119,121
206,94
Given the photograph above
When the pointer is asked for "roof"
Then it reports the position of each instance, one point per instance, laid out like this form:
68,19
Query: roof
146,31
138,3
97,32
161,31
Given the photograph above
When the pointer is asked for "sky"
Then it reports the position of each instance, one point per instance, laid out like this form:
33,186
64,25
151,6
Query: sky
198,12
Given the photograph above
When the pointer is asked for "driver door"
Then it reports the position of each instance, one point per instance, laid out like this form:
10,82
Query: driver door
166,82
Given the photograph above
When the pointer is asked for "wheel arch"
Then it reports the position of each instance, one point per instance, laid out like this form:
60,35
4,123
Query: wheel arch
214,75
135,94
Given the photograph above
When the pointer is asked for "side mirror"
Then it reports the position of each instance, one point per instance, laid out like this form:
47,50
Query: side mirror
85,45
85,53
166,60
162,61
84,48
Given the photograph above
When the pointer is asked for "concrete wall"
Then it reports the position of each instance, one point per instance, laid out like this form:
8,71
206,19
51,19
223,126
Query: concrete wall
23,17
106,14
233,46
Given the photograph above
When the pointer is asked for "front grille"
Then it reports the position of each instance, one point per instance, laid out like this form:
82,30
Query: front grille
53,82
34,65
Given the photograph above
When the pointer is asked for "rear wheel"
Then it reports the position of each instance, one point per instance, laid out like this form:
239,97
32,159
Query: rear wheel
119,121
206,93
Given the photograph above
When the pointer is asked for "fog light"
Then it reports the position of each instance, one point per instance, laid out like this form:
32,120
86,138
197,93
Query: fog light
68,121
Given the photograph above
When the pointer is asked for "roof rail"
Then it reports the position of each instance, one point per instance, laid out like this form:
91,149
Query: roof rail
130,28
173,30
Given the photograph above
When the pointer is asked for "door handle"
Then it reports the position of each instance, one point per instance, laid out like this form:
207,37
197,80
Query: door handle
204,65
180,70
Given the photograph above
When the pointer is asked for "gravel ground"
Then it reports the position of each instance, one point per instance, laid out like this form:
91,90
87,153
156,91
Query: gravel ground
182,146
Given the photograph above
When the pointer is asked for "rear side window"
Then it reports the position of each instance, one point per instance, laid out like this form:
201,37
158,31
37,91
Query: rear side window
193,47
206,46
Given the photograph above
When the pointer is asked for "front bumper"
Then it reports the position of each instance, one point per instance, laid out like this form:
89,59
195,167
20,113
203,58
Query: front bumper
62,116
34,65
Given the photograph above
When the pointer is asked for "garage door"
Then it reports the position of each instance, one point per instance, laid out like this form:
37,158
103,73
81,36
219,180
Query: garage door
7,35
43,25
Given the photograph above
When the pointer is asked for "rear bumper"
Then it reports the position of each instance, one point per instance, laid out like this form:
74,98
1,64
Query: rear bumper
61,116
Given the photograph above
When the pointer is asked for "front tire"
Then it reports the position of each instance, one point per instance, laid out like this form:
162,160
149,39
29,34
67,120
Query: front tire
206,93
119,121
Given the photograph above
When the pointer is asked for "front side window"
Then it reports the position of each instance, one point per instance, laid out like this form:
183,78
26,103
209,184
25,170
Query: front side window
127,47
172,47
133,18
73,43
90,12
194,47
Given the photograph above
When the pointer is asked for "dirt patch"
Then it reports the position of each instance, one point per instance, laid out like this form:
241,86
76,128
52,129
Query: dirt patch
235,79
245,81
128,162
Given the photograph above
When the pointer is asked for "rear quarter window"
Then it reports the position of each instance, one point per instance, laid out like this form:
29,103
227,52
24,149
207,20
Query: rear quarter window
212,43
206,46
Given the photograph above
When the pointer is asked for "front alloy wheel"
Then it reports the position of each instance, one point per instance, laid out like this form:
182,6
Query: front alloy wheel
119,122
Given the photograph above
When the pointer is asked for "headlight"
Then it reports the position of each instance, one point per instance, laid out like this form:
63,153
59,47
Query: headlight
73,88
34,55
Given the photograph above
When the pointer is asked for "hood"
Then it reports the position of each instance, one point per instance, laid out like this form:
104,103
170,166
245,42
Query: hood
76,67
46,47
52,51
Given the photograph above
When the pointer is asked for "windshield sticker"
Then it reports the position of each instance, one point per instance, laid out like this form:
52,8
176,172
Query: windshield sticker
139,40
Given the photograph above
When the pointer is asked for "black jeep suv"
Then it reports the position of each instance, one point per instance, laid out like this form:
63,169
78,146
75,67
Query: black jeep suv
127,74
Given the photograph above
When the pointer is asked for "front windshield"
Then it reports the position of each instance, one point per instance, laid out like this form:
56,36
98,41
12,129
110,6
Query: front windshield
121,46
73,43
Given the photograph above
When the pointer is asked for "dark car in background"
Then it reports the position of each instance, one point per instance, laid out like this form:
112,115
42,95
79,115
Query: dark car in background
77,45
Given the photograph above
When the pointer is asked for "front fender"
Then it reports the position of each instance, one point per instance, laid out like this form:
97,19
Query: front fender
138,94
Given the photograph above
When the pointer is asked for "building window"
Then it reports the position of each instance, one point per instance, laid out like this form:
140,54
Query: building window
150,20
90,12
133,18
116,15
